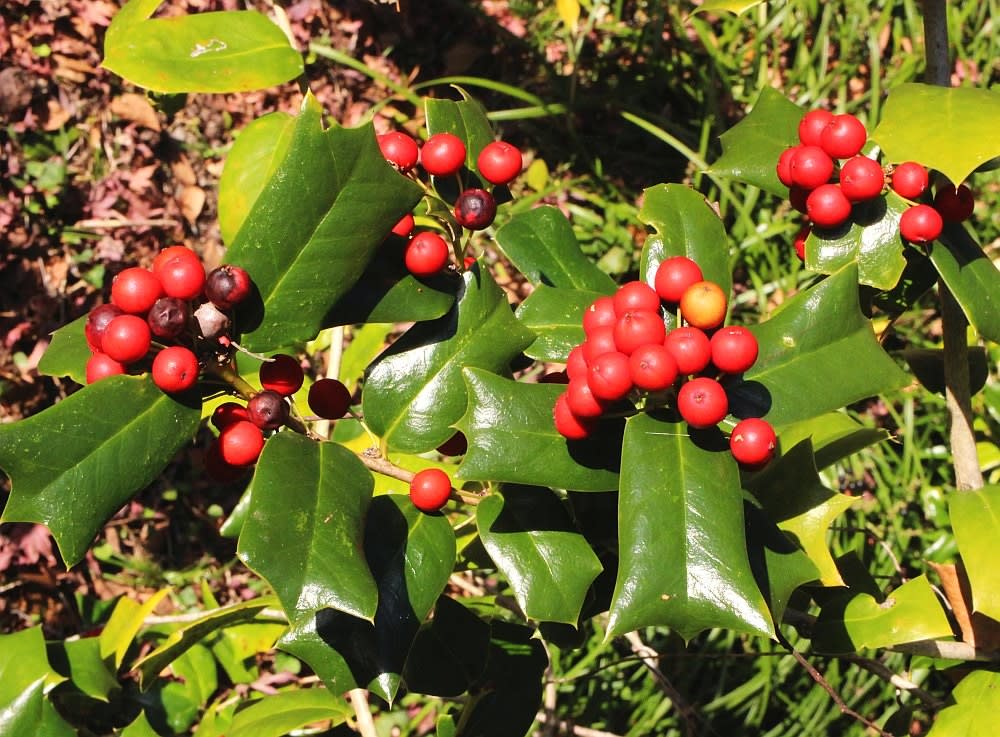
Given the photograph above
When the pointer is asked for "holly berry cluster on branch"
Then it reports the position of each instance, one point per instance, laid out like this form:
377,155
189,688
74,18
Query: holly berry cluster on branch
630,362
827,175
443,155
171,313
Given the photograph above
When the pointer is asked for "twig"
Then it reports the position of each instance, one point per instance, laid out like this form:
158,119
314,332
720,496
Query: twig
649,658
565,727
102,223
900,682
363,713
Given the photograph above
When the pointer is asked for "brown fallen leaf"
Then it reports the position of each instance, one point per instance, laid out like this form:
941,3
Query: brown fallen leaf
135,108
978,630
192,200
183,172
57,116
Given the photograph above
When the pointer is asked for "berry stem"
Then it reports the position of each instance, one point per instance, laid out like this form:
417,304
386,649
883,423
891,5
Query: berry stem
237,382
387,468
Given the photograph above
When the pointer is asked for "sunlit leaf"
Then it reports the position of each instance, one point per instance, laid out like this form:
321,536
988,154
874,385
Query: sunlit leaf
975,517
283,712
463,118
555,316
68,352
977,701
125,622
971,277
779,565
737,7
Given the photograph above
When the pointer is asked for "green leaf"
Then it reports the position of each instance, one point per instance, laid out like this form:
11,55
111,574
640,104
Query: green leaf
123,625
834,435
314,228
234,522
237,647
683,559
927,364
555,316
791,492
183,698
977,701
855,621
139,728
686,225
779,566
305,525
971,276
750,149
871,241
230,51
465,119
280,713
512,438
738,7
68,353
114,438
411,555
413,393
24,675
178,641
541,244
86,668
30,714
260,147
449,652
810,362
531,538
975,518
957,130
366,343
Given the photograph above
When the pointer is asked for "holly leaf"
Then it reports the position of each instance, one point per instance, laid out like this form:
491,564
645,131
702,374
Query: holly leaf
449,653
541,244
790,491
68,353
286,711
411,555
123,625
971,276
228,51
834,435
314,228
24,675
305,543
414,393
851,622
977,700
957,130
975,518
810,363
683,559
779,566
927,364
114,436
531,538
512,438
751,148
555,316
251,162
870,239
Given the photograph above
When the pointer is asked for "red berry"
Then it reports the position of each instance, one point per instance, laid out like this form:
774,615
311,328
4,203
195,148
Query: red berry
811,126
702,402
499,162
919,224
168,317
227,413
97,324
399,150
674,275
797,197
810,167
127,338
581,400
227,286
442,155
568,424
861,179
635,295
240,443
135,290
909,180
175,369
182,277
955,204
430,489
652,368
268,410
690,348
329,398
405,225
800,242
475,209
456,445
282,374
468,262
426,254
784,166
169,254
752,442
601,313
638,328
609,376
601,340
576,364
843,137
734,349
101,365
827,206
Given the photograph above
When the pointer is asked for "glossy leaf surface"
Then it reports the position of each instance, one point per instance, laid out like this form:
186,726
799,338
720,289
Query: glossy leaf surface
115,437
305,525
555,316
414,390
449,653
230,51
281,713
778,564
512,438
68,352
972,277
314,227
24,674
124,624
85,668
975,518
531,538
683,559
834,435
808,361
957,130
977,701
541,244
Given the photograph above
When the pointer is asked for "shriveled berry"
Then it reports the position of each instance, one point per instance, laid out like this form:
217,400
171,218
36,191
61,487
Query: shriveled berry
212,322
475,209
268,410
175,369
227,286
329,398
282,374
168,317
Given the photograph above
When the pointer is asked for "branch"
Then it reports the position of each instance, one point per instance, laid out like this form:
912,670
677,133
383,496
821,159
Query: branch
561,726
359,701
903,684
649,658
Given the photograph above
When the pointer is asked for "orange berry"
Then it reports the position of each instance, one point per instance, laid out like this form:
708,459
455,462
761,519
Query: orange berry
703,305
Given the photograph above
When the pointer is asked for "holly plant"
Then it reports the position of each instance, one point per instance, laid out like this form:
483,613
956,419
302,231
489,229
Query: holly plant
669,476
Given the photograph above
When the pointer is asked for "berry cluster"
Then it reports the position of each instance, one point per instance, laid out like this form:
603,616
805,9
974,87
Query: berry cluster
443,155
827,175
166,311
628,354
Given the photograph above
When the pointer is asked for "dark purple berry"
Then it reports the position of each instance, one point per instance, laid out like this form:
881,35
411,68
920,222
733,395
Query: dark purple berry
267,410
168,317
97,323
227,286
475,209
